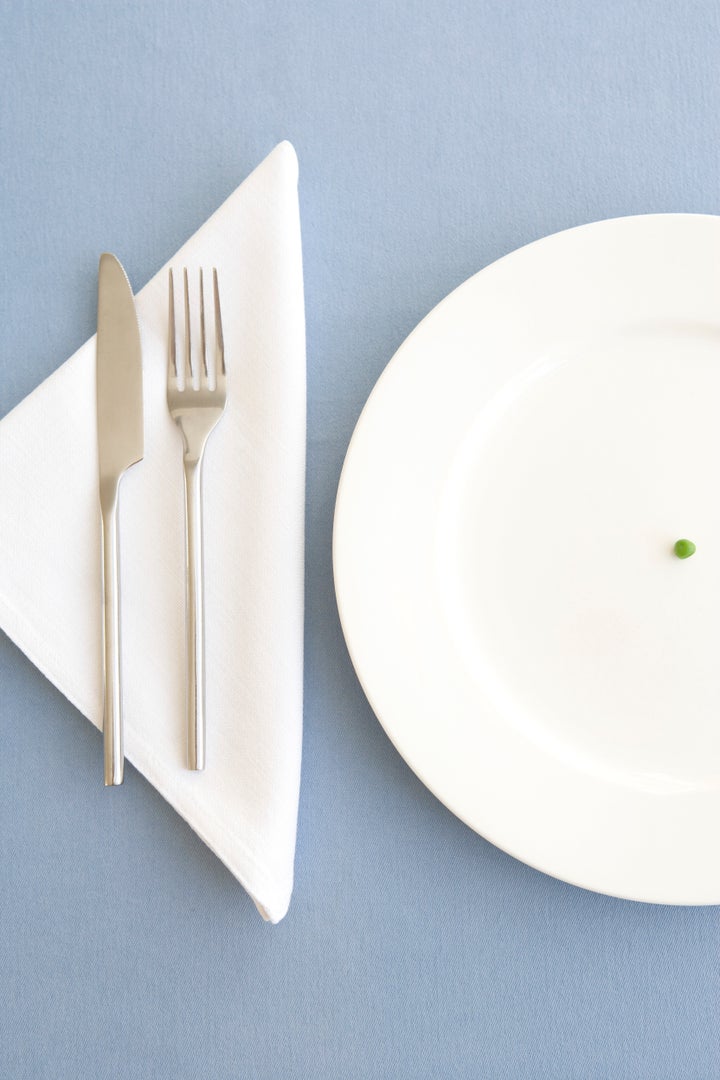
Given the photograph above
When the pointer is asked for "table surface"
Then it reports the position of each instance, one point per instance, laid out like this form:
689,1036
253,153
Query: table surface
432,138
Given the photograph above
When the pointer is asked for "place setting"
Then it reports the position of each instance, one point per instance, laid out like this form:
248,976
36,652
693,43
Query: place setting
523,544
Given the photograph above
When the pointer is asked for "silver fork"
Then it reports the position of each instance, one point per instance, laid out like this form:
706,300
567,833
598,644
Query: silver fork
196,405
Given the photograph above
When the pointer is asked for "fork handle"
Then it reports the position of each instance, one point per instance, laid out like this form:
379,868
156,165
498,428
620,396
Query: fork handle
112,717
194,614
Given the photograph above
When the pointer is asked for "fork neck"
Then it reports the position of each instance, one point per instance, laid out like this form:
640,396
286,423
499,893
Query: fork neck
194,430
192,459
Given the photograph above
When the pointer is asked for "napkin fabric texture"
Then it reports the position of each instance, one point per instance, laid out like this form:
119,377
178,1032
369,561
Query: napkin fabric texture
244,806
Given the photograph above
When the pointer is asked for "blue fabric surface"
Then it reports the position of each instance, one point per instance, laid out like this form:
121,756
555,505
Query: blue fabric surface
432,138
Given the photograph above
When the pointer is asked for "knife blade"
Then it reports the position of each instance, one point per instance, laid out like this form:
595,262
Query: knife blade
120,445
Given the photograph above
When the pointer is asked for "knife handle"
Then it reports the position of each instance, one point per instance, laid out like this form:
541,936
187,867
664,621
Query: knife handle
195,619
112,717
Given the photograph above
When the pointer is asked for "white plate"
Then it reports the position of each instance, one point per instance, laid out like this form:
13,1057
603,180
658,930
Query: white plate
503,555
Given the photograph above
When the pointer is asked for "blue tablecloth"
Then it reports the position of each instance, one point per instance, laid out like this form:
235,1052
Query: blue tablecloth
433,137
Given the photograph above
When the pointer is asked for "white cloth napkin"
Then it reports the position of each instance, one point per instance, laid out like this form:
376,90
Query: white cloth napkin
244,806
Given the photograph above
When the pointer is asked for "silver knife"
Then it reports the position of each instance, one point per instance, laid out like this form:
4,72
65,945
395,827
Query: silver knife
120,445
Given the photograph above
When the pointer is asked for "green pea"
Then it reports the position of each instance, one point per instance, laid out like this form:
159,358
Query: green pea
684,549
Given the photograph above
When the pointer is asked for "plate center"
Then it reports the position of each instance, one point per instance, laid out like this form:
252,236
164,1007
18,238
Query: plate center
555,554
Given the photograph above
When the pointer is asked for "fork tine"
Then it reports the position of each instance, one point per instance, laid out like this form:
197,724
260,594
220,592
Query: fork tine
188,345
219,340
172,357
203,350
